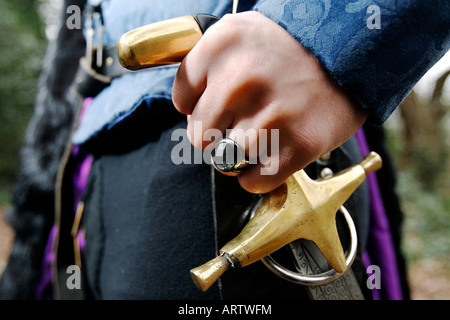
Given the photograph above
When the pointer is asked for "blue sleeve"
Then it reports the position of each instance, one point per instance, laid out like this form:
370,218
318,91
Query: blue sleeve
376,59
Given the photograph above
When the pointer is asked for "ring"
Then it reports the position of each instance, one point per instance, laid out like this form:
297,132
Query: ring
228,157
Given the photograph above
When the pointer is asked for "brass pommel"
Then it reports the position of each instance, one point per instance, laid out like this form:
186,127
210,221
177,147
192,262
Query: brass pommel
159,43
208,273
372,162
301,208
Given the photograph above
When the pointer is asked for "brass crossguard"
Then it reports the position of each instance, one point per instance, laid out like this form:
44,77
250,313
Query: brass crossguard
301,208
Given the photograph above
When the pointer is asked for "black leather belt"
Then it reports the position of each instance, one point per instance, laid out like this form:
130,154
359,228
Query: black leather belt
92,77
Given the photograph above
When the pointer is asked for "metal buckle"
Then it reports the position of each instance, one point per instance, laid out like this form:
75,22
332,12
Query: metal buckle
320,278
94,28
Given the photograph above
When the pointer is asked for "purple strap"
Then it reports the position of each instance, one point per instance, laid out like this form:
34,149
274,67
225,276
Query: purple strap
44,287
79,177
380,248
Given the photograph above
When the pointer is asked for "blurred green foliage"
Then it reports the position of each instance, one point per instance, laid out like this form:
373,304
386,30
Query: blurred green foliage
426,210
22,48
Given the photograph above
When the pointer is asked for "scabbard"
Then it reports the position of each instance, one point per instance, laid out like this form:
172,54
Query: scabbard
309,261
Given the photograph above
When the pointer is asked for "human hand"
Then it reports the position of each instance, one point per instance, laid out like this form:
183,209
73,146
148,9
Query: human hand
247,72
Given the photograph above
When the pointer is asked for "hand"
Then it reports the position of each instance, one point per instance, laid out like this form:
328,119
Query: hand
247,72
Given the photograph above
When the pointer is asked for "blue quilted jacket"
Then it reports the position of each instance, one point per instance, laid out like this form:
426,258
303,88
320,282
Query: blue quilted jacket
375,49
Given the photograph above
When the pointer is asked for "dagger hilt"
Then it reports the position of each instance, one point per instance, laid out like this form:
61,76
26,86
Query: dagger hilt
301,208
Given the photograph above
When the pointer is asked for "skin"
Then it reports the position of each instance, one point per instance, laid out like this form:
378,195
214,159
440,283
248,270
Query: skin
248,72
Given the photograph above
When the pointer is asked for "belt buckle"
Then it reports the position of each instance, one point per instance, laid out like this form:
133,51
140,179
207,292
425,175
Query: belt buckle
94,27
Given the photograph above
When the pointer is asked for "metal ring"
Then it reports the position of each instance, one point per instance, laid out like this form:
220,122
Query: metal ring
320,278
228,157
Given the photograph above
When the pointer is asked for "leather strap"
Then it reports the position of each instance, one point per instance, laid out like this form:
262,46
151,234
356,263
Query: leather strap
90,79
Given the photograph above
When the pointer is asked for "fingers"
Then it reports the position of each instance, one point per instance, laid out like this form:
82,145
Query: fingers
192,76
225,90
208,120
268,94
189,83
199,92
281,153
217,55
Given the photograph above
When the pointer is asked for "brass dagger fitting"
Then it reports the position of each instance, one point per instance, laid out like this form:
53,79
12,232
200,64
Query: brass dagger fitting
299,208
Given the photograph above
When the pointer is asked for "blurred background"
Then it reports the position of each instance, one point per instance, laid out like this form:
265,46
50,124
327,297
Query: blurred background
417,137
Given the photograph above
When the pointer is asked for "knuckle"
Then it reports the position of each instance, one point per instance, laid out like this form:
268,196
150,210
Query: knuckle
307,146
223,33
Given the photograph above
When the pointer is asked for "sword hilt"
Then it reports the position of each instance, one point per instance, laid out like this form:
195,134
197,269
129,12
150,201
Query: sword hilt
301,208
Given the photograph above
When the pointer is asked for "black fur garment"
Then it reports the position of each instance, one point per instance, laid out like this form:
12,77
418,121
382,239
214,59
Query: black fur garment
32,214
